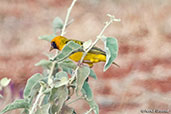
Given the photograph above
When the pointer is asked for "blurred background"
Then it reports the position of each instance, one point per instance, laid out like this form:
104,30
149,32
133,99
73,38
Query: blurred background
143,80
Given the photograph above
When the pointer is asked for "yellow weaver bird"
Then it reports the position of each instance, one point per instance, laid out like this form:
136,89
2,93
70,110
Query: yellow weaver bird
95,55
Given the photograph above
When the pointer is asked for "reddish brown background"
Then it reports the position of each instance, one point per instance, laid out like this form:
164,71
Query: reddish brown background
143,80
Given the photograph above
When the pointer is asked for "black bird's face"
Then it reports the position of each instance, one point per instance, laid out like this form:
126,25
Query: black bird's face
53,46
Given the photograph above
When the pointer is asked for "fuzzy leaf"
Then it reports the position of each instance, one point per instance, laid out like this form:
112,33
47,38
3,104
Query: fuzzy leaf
67,50
20,103
93,105
60,94
86,90
62,97
67,66
68,63
4,82
82,75
87,44
61,79
111,48
57,24
31,83
46,99
92,74
44,63
43,109
47,37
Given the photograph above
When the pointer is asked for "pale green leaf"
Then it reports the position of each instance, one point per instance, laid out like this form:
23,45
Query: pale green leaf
111,49
82,75
20,103
4,82
67,66
31,83
47,37
68,49
61,78
60,95
44,63
87,44
92,74
94,106
53,95
68,63
43,109
46,98
57,24
87,92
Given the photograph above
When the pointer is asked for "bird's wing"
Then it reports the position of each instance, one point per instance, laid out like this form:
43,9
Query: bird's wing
97,50
77,41
94,50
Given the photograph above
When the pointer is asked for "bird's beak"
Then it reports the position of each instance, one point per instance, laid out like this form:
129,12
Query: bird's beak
51,48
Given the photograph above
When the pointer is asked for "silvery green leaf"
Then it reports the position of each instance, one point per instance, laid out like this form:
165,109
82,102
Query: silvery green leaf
82,75
4,81
87,92
111,49
31,83
68,49
44,63
47,37
57,24
43,109
87,44
20,103
92,74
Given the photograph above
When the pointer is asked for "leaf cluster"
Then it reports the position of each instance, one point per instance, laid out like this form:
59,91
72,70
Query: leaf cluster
51,91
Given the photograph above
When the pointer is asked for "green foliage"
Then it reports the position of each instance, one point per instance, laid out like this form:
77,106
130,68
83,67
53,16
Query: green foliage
69,48
20,103
47,37
43,109
61,79
82,75
57,24
31,85
111,49
50,91
87,92
4,82
44,63
92,74
87,44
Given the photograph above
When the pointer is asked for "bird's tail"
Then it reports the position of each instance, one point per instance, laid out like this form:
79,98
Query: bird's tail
116,64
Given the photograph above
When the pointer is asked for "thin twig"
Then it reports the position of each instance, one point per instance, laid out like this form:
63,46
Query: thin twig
36,101
112,18
51,72
50,81
62,33
67,17
89,111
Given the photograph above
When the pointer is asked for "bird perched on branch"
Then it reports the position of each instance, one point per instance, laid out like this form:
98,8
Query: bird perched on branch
95,55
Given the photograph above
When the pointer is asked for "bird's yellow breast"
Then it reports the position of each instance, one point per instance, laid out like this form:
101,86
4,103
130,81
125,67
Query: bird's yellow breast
90,57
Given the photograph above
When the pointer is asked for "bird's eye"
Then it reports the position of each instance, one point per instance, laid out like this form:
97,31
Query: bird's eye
53,44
